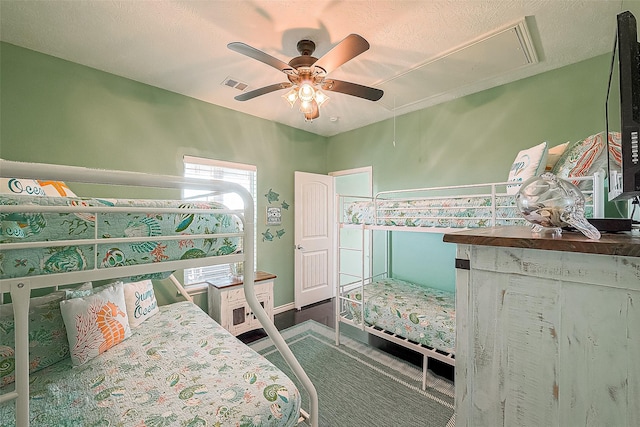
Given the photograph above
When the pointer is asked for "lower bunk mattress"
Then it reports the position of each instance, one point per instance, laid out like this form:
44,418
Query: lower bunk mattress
179,368
418,313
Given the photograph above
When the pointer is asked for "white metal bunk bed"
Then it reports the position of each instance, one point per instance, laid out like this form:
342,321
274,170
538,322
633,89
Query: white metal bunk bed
20,288
431,210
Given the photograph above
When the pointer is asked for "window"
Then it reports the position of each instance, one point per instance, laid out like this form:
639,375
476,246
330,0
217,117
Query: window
245,175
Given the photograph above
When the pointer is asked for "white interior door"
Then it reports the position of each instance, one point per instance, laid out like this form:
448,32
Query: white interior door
314,229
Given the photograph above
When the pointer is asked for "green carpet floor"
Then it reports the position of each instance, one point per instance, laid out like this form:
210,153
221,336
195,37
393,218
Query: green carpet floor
360,386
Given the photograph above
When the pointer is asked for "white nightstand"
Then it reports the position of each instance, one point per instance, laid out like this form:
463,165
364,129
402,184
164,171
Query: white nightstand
228,306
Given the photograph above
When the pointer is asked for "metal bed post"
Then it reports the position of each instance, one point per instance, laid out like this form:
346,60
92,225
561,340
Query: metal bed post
493,205
338,276
261,314
21,291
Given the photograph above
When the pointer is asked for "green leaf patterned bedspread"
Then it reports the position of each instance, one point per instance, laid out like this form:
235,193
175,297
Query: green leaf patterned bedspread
179,368
418,313
146,226
446,212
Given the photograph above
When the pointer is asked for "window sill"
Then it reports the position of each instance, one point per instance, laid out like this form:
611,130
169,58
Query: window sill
196,288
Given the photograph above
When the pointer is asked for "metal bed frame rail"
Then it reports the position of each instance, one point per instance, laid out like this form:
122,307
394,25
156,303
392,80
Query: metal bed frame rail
20,288
365,276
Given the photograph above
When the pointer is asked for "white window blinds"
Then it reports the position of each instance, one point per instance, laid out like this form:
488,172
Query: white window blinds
243,174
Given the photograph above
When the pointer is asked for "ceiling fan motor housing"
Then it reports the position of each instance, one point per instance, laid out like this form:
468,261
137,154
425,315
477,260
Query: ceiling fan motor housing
306,47
309,69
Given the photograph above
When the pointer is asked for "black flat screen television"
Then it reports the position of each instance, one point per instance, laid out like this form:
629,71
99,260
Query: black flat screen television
623,111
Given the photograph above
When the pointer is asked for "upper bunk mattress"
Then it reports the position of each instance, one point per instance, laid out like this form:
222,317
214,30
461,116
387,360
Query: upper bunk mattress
179,368
448,212
149,226
418,313
455,212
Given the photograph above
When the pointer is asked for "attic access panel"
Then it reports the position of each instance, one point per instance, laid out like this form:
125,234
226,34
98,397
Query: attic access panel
497,54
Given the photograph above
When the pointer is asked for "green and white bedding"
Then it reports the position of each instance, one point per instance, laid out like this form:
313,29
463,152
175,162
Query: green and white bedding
418,313
453,212
179,368
43,227
442,212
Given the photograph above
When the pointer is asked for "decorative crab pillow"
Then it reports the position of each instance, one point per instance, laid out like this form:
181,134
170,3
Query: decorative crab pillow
141,301
95,323
528,163
47,336
582,158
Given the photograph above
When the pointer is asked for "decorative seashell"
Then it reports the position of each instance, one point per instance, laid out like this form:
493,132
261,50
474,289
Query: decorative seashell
156,352
273,391
173,379
189,392
108,392
97,381
146,397
250,377
276,410
7,365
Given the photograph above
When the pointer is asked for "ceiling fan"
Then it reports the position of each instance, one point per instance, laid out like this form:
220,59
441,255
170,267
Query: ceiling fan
308,75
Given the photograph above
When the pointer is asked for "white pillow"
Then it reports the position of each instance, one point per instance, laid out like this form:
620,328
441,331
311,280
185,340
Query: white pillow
31,187
141,301
528,163
95,323
28,187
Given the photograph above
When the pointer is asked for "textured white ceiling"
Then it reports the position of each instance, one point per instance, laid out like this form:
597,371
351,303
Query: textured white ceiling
181,45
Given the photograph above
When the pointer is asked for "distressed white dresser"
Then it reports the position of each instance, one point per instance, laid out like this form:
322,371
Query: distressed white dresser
548,330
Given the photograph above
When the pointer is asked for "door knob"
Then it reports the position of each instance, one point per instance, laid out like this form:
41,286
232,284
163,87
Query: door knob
299,247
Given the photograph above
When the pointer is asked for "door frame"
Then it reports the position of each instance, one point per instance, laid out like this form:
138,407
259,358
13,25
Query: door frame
337,174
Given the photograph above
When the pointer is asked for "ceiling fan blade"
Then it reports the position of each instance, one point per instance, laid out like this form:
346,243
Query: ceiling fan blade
262,91
261,56
350,47
353,89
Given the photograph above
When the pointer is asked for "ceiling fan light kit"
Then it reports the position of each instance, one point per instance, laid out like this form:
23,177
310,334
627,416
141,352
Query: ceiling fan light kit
306,74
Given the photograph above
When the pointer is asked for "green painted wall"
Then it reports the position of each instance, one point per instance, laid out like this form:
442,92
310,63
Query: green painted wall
55,111
473,139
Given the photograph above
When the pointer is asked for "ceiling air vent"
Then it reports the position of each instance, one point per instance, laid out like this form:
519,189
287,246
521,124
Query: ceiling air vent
235,83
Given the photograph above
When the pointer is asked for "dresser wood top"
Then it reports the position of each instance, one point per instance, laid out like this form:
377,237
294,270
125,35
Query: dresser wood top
260,276
622,244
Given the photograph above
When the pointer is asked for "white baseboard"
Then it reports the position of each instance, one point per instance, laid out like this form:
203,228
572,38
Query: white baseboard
283,308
